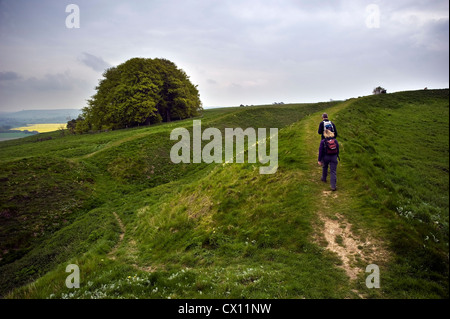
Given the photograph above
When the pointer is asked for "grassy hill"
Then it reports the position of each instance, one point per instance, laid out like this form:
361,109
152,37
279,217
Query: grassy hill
140,226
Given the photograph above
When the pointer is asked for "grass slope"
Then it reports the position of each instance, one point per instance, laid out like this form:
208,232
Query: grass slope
147,228
111,165
398,150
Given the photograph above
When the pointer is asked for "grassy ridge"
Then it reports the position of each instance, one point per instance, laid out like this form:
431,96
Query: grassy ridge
397,156
113,165
230,233
225,231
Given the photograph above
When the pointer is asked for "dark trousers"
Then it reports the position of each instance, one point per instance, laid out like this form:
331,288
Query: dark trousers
331,161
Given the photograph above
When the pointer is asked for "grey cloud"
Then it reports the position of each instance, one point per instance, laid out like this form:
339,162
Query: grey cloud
94,62
14,82
51,82
52,90
9,76
433,33
248,52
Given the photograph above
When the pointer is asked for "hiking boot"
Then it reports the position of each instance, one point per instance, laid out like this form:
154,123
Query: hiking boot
333,189
322,180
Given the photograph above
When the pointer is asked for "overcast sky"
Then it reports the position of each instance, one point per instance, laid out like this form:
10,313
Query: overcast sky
236,51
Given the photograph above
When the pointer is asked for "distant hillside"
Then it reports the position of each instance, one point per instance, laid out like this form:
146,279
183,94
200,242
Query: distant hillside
11,119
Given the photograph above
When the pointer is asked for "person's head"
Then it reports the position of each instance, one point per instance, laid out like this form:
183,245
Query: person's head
325,116
328,134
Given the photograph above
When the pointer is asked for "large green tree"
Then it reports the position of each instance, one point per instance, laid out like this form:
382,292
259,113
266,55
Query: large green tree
140,92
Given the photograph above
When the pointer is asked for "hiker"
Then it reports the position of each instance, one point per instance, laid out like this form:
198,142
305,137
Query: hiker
328,156
327,124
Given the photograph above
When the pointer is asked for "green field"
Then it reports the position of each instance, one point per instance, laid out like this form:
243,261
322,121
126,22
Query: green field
139,226
42,127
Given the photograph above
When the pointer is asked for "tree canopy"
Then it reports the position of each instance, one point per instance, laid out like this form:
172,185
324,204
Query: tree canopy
140,91
379,90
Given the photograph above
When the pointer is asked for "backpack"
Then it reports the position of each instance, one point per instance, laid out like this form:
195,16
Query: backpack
331,146
328,125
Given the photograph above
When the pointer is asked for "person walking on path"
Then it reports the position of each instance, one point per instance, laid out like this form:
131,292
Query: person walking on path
327,124
328,157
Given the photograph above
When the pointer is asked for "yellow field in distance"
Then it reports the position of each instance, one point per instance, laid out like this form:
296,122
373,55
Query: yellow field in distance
42,128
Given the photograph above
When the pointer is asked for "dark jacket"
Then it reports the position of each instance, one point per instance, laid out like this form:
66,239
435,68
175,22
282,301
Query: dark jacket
321,129
323,151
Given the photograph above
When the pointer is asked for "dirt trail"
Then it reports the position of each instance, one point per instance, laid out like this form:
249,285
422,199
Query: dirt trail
343,242
339,236
131,251
334,231
112,253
